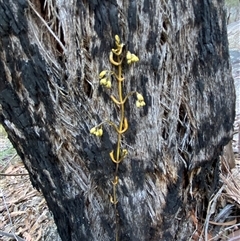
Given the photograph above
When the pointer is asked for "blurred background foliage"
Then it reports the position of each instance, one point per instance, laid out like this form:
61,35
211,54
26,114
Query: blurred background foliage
233,10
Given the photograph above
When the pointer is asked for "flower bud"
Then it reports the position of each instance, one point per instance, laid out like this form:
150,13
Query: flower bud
99,132
131,58
129,55
93,130
140,97
103,81
134,58
117,39
108,84
102,74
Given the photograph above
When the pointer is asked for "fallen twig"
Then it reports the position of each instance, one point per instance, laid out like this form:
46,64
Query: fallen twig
11,236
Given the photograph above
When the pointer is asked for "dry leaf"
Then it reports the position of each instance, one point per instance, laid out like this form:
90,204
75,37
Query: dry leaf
27,236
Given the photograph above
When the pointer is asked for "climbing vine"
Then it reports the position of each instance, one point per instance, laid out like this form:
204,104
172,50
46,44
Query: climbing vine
117,59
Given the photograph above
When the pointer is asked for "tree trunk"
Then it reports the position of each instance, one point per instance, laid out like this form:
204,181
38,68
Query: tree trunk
51,54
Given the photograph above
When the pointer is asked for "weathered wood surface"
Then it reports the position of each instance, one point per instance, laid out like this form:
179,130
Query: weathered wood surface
50,98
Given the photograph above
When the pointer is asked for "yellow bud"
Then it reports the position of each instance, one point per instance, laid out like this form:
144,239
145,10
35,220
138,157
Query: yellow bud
93,130
117,39
103,81
129,55
124,152
102,74
140,97
131,58
108,84
134,58
99,132
142,103
138,104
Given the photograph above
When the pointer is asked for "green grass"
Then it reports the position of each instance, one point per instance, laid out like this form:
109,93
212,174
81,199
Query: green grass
233,10
8,150
2,131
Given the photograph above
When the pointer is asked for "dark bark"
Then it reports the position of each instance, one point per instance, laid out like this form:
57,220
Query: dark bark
50,97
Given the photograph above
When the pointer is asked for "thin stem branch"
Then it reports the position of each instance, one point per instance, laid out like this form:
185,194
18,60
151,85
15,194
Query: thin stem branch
49,29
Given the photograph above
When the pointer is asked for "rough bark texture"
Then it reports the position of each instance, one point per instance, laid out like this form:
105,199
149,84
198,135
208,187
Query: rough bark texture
50,97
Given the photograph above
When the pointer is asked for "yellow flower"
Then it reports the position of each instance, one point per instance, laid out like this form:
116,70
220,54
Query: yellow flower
140,100
108,84
140,97
93,130
129,55
103,81
97,131
102,74
134,58
131,58
140,103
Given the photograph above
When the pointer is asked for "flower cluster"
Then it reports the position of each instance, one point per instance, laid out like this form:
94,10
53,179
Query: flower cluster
97,131
140,100
105,79
116,58
131,58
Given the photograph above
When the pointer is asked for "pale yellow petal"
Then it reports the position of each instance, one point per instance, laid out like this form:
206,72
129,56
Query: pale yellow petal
108,84
117,39
103,73
103,81
138,104
143,103
134,58
129,55
99,132
140,97
93,130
